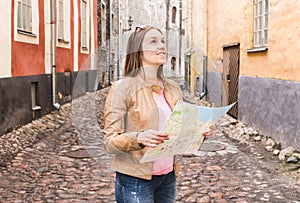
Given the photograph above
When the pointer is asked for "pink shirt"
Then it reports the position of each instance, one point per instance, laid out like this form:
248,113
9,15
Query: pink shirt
163,165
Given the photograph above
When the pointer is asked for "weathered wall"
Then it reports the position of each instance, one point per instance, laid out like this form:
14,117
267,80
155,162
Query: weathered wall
214,87
227,24
281,60
231,22
269,81
15,106
197,38
272,106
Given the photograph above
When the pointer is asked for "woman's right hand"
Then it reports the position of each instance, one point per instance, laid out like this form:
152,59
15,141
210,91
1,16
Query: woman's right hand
151,138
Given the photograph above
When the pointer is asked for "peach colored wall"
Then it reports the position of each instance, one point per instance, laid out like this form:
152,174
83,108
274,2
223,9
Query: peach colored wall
196,34
231,22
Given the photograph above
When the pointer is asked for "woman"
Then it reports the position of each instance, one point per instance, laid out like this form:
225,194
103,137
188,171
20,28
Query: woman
135,110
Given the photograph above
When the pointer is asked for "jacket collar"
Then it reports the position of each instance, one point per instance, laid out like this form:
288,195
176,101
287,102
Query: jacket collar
153,87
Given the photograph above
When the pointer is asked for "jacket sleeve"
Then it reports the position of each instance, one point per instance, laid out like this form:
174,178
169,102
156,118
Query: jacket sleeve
116,140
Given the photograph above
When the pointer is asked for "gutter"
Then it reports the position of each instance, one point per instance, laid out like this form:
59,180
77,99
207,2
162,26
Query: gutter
55,105
205,58
204,86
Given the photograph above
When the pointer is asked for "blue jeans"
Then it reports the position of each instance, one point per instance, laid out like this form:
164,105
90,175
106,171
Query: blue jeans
161,189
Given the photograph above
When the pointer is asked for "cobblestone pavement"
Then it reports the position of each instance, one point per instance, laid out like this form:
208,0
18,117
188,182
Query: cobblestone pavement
70,165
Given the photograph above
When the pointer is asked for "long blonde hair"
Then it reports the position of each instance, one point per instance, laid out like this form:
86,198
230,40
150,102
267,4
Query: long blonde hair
133,60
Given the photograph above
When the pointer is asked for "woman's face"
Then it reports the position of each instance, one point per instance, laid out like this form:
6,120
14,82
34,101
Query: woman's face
154,49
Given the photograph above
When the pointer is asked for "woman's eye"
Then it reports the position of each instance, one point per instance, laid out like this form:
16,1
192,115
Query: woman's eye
163,41
153,41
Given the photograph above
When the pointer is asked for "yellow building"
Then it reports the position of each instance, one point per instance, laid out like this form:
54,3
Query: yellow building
251,48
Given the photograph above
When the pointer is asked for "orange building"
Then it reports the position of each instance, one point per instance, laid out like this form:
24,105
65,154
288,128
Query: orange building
251,49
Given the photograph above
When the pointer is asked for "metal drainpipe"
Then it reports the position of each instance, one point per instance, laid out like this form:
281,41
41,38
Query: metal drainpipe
53,52
180,34
205,58
119,40
204,89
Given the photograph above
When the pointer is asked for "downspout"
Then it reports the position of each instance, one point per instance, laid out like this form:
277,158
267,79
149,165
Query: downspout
167,22
109,34
205,58
118,53
180,34
53,52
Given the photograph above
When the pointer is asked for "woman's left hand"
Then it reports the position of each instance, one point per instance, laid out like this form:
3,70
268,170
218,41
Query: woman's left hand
210,133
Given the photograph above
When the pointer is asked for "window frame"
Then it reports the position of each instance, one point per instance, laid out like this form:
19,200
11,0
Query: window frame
174,13
63,25
24,27
84,25
60,17
260,23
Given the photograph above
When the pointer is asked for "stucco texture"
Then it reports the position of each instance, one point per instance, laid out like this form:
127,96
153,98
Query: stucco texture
274,110
232,22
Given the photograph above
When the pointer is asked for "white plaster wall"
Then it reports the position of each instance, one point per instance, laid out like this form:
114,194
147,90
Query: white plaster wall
75,37
47,37
93,67
5,39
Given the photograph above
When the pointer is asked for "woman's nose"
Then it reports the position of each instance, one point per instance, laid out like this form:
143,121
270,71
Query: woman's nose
161,45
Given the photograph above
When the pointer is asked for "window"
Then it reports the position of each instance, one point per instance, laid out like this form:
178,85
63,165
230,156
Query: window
24,20
174,14
173,66
173,63
34,96
112,24
61,19
63,23
84,24
261,16
103,25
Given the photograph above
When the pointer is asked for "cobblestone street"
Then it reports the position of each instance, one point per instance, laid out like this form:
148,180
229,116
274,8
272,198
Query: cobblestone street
70,165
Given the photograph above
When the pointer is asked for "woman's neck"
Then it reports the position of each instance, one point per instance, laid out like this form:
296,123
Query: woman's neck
151,75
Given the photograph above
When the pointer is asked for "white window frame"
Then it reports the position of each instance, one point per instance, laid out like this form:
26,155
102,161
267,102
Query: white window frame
24,16
60,17
63,23
261,21
85,26
26,34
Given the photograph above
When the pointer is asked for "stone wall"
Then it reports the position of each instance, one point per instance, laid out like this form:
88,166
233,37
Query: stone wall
15,103
271,106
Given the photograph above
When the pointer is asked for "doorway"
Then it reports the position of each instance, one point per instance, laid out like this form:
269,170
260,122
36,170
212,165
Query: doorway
230,77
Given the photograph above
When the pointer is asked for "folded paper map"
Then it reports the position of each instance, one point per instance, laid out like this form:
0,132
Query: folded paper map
185,127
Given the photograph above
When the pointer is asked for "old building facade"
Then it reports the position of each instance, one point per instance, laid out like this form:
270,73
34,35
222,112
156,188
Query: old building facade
45,44
168,15
251,48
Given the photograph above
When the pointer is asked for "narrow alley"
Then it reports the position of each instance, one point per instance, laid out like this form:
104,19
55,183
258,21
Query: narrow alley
70,165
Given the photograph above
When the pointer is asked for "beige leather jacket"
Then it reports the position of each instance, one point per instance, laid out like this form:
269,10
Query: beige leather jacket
129,109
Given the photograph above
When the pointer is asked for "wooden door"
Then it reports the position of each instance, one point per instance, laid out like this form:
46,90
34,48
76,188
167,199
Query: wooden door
230,77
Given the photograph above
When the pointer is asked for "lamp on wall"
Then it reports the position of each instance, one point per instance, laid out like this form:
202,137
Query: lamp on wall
130,22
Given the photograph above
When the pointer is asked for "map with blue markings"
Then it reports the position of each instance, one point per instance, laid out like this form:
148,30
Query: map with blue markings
185,127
